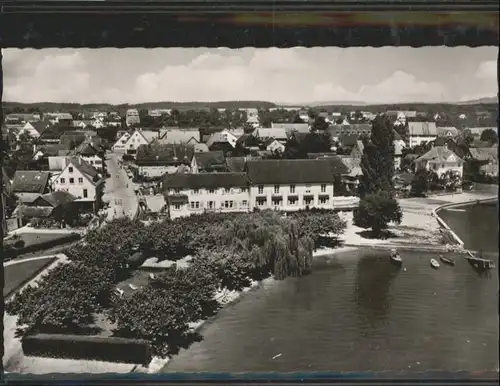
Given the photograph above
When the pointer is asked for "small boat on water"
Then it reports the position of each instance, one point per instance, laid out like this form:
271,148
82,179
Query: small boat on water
395,258
446,260
434,263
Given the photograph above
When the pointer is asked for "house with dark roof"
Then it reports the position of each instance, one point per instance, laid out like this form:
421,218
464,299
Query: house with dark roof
289,185
179,136
49,205
292,127
35,128
28,185
278,133
190,193
212,161
447,131
421,132
91,152
236,164
487,157
355,130
81,180
440,160
273,145
155,160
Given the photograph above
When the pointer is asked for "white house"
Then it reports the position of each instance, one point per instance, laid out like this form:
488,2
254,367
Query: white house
82,181
292,127
186,194
34,129
90,152
155,160
290,185
421,132
277,133
139,137
119,145
440,160
224,136
132,117
399,145
273,145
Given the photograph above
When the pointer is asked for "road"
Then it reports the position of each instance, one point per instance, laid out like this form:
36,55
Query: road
119,192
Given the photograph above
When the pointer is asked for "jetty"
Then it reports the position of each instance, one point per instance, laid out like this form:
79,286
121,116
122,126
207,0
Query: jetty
479,262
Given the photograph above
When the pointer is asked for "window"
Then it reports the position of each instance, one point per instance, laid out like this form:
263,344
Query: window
91,162
292,200
71,180
244,203
277,201
177,206
276,188
196,191
62,181
98,162
308,200
228,204
80,180
70,169
211,204
227,190
292,188
261,201
195,205
211,191
177,190
261,189
323,200
323,188
85,193
244,190
308,187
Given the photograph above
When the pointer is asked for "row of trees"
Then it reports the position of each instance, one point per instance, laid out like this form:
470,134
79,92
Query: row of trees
230,251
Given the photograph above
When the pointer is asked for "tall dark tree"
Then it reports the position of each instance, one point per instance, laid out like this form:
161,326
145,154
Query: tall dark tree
377,162
319,124
489,135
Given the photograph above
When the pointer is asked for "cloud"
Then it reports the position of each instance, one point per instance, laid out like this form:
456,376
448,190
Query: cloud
399,87
487,71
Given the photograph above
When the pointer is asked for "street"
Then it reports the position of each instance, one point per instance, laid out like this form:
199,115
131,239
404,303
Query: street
119,192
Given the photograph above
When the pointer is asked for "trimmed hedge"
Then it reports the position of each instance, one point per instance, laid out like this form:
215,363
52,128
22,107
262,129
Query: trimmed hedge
11,253
108,349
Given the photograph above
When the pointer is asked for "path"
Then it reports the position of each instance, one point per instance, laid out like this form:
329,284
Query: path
119,192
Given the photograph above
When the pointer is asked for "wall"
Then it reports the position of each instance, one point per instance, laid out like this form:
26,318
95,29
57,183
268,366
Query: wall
57,162
155,171
284,191
441,169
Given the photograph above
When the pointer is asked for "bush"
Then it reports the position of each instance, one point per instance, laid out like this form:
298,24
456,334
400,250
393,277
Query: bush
109,349
19,244
376,211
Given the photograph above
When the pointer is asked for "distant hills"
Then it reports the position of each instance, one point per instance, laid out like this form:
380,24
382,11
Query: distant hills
481,101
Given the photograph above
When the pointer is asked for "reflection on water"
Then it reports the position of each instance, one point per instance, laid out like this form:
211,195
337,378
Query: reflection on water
356,312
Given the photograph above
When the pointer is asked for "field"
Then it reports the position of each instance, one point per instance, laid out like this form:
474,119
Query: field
17,275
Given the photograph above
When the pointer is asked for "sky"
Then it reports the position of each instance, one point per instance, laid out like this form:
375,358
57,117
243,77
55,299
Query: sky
292,76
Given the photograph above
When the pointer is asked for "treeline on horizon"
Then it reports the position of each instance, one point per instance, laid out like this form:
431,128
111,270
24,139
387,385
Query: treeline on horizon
42,107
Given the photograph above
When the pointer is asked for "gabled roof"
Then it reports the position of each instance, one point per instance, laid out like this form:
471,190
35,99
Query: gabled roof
278,133
148,135
448,131
348,140
336,164
35,211
54,150
179,136
269,141
355,129
438,154
83,167
397,137
57,198
86,148
484,153
300,171
236,164
428,129
209,159
29,181
160,154
289,127
204,180
39,126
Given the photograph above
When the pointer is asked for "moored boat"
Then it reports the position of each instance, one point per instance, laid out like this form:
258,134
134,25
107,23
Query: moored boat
434,263
395,258
446,260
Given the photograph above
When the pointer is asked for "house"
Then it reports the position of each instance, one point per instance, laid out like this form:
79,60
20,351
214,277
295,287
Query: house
273,145
421,132
120,144
75,138
28,185
212,161
476,132
82,181
34,128
356,129
200,148
348,140
280,134
176,136
49,205
399,145
132,117
187,194
137,138
22,117
290,185
43,154
291,127
357,150
487,157
92,153
440,160
224,140
448,131
155,160
351,179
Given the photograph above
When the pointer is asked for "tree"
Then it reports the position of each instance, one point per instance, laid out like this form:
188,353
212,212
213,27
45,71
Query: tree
420,183
319,124
376,211
489,135
377,162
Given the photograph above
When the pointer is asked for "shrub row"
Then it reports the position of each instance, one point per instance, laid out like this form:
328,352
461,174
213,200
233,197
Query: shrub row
109,349
11,253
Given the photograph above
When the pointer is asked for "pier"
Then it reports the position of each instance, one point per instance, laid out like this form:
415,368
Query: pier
479,262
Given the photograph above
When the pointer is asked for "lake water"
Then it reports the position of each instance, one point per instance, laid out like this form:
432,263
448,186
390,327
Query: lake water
357,312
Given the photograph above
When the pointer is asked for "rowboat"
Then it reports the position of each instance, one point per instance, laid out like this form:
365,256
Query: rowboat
446,260
395,258
434,263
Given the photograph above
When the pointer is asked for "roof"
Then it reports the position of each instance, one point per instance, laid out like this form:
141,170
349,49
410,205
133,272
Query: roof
204,180
180,136
422,129
200,148
278,133
349,139
149,135
336,164
447,131
86,148
161,154
27,198
35,211
54,149
209,159
484,153
479,130
236,164
289,127
269,141
480,144
355,128
83,167
29,181
438,154
351,162
39,126
397,137
57,198
289,171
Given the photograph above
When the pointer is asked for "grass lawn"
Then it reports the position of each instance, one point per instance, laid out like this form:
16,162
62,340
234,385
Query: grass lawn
17,275
38,238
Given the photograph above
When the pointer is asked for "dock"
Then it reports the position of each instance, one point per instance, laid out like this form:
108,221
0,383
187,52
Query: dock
479,262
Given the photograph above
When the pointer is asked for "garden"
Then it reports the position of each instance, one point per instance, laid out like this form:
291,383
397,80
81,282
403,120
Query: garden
229,252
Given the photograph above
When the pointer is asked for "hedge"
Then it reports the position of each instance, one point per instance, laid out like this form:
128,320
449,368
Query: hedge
109,349
10,253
